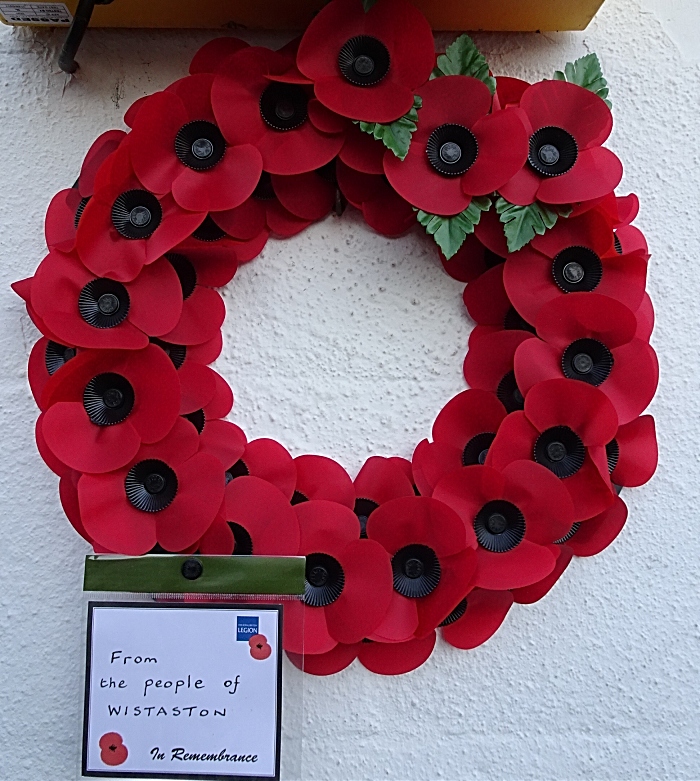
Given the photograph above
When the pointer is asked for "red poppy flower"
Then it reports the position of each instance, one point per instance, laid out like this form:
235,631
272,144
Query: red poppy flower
433,560
380,658
591,339
490,307
566,162
176,146
292,130
489,365
576,256
283,205
476,618
462,434
591,537
379,481
459,150
367,65
383,210
45,359
268,460
125,226
256,519
565,427
528,595
100,312
319,477
633,454
481,251
348,581
516,514
104,404
66,207
168,494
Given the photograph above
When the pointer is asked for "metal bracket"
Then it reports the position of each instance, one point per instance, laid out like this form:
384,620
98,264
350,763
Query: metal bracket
81,20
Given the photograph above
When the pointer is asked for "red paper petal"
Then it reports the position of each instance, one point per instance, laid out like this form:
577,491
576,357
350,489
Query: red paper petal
282,222
431,462
469,413
218,540
536,361
581,407
514,441
490,358
633,379
597,172
307,196
267,459
319,477
396,658
570,107
59,225
596,534
489,232
224,441
522,566
326,527
366,595
418,520
389,214
486,299
197,386
639,452
486,611
222,401
456,577
305,629
54,464
330,663
509,90
101,149
245,221
213,53
592,230
381,480
363,152
523,188
203,314
265,513
531,594
400,622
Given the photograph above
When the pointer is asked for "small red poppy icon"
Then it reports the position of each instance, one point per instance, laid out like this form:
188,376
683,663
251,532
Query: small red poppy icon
259,647
112,749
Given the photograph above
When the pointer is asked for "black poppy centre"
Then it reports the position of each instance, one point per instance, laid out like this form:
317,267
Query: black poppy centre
561,450
476,450
587,360
514,321
150,485
324,580
509,394
176,352
363,509
553,151
364,60
572,531
199,145
456,614
185,273
284,106
242,541
108,399
197,419
136,214
452,149
577,269
209,231
57,355
103,303
79,211
239,469
499,526
416,570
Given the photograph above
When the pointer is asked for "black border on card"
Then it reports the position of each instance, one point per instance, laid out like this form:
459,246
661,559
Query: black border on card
188,606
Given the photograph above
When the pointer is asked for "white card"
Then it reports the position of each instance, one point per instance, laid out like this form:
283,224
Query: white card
180,691
41,14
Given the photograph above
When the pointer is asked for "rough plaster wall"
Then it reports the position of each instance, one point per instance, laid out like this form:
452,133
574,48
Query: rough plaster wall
343,343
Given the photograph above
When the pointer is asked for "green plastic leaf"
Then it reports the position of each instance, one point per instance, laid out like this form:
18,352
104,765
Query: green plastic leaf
396,135
522,223
450,232
588,73
462,58
367,4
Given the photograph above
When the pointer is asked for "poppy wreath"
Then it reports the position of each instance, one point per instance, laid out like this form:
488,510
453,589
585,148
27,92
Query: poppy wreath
523,470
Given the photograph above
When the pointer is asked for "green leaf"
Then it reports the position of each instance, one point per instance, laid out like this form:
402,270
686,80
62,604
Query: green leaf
396,135
367,4
587,73
449,232
523,223
462,58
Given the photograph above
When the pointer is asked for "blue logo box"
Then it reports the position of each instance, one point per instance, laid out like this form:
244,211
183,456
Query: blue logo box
246,627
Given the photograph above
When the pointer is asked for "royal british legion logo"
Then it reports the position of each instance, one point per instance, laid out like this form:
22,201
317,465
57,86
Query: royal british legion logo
246,627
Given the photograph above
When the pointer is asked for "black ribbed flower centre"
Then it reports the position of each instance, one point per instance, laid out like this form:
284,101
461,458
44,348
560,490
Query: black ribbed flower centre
284,106
452,149
364,60
587,360
199,145
561,450
553,151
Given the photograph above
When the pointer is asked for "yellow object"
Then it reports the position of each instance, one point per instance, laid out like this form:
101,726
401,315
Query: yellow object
549,15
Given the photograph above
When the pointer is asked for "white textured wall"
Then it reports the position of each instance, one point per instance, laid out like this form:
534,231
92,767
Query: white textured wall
344,343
